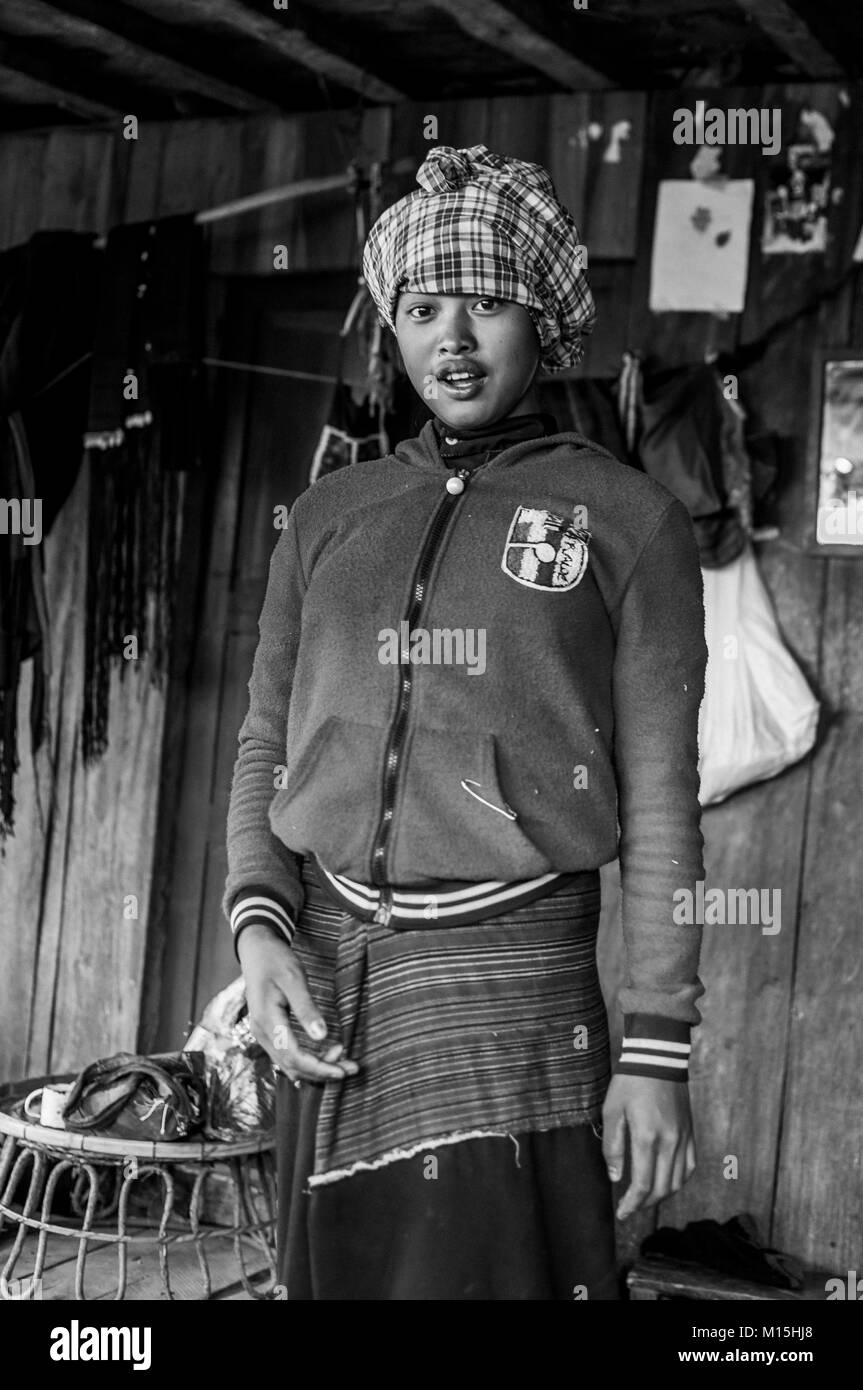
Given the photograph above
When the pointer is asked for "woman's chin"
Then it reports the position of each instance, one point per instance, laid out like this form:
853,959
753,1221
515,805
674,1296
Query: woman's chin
467,414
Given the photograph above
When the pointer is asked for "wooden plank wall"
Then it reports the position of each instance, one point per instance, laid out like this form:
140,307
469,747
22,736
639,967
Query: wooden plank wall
775,1074
777,1016
88,838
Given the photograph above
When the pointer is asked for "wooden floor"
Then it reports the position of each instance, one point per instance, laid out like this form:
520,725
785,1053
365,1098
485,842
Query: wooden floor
143,1282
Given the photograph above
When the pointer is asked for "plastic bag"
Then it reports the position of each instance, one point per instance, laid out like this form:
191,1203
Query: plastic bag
241,1086
758,715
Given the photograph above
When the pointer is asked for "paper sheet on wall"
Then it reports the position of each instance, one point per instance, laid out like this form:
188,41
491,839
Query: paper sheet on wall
701,246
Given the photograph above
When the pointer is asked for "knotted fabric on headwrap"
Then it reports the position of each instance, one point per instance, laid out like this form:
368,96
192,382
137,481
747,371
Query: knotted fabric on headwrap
481,223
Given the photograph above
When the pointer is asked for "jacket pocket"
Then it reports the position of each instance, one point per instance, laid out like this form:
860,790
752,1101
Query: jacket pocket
453,818
333,794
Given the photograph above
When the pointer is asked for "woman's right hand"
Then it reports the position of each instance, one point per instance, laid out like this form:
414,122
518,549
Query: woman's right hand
275,979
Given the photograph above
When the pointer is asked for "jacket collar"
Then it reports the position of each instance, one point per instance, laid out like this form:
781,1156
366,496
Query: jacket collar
458,446
422,451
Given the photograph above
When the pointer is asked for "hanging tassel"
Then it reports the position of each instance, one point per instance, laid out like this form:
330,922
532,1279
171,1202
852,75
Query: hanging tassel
132,552
629,398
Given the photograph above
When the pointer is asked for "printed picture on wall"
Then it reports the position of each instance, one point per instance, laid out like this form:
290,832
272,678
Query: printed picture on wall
701,245
798,197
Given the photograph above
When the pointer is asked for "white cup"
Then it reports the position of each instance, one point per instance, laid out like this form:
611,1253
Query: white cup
45,1104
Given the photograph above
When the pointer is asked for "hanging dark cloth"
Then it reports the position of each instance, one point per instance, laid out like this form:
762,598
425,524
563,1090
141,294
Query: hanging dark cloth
734,1248
369,428
685,445
354,432
587,405
145,426
47,313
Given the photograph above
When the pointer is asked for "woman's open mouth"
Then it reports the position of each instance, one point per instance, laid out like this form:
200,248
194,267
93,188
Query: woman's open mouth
462,383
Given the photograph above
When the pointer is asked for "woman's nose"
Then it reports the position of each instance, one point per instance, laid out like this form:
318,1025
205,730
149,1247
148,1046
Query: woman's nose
456,331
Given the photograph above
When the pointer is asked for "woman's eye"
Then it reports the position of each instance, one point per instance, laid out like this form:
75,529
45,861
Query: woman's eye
419,309
487,303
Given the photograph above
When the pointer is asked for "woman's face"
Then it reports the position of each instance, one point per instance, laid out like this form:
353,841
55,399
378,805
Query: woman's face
471,358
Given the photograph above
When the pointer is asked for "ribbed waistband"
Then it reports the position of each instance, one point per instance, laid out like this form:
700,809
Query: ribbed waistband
450,907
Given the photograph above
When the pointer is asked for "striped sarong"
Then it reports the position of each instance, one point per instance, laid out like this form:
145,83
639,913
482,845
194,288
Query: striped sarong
497,1027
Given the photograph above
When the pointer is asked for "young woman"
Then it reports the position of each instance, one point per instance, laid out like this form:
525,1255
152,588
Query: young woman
479,673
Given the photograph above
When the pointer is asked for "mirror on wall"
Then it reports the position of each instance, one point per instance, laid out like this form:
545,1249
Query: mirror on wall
839,449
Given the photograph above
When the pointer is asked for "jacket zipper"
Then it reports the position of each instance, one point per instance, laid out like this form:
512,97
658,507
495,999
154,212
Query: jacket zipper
399,724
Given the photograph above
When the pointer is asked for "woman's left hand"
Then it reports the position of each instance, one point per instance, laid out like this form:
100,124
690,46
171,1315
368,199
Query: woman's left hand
657,1118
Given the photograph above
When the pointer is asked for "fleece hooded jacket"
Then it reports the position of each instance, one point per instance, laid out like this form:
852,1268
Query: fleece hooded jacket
546,607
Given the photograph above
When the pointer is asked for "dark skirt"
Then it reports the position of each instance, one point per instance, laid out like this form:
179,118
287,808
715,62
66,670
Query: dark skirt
528,1217
521,1215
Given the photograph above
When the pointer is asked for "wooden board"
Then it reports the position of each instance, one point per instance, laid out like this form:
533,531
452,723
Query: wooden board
21,163
570,135
819,1189
172,1012
813,1208
76,180
269,432
114,812
654,1279
41,916
597,173
143,190
678,339
736,1085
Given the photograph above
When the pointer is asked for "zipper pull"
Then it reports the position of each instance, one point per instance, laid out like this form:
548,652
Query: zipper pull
385,908
456,483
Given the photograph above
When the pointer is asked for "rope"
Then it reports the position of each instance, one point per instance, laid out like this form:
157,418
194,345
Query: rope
268,371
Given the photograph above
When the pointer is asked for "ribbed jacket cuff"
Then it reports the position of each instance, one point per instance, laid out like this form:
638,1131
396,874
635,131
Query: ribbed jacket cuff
655,1046
260,906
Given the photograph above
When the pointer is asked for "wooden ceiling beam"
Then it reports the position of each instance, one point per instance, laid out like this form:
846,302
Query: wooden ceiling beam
793,36
21,89
500,27
35,19
279,33
30,79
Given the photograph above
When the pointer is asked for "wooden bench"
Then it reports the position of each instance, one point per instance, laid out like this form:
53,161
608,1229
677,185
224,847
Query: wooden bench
665,1279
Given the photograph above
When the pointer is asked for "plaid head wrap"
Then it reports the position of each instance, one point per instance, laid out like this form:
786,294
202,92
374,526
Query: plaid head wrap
481,223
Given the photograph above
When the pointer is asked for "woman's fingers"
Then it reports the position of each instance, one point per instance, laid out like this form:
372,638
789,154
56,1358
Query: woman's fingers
304,1066
679,1173
691,1158
295,986
275,979
280,1041
613,1143
643,1164
663,1174
309,1016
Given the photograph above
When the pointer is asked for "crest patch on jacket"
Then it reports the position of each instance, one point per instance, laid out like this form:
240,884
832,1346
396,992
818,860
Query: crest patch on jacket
545,550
